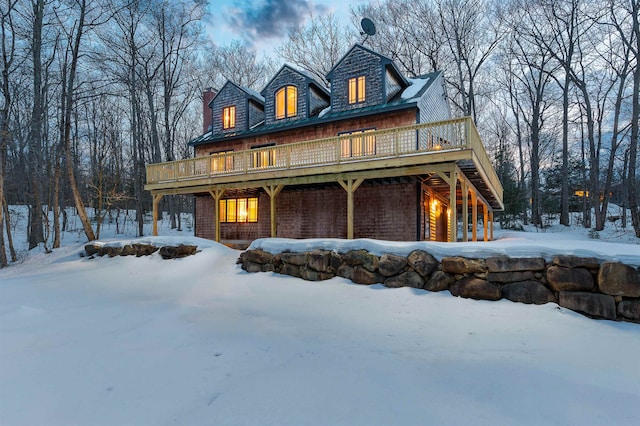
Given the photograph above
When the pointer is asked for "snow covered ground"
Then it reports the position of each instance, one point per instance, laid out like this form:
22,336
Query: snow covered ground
197,341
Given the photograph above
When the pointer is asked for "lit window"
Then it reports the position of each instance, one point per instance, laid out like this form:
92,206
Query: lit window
357,89
358,144
263,157
239,210
221,161
229,117
286,102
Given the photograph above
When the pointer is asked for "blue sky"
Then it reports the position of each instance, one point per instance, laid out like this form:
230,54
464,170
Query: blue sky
263,24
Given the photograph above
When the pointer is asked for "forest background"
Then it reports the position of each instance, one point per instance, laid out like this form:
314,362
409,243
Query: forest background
94,90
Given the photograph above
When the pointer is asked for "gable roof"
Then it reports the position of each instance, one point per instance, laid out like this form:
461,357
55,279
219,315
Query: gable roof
310,80
406,99
386,62
252,94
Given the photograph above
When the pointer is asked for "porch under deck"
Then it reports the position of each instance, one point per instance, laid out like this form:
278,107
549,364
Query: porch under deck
446,156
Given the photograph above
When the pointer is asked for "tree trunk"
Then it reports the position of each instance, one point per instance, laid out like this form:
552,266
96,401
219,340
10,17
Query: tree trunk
35,231
12,250
564,192
635,123
68,108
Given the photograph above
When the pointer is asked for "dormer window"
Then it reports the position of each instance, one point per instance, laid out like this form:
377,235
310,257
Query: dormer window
286,102
357,89
229,117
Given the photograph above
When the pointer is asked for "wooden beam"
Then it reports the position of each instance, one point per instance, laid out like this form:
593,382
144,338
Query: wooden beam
464,192
350,185
485,210
444,177
491,222
273,191
453,204
217,194
418,164
474,216
156,201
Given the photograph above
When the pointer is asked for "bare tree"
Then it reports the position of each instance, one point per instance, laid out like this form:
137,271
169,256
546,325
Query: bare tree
35,231
531,72
472,36
68,79
8,55
237,63
316,46
633,41
401,33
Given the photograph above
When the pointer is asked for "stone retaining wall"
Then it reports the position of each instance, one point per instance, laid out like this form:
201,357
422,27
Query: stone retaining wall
166,252
606,290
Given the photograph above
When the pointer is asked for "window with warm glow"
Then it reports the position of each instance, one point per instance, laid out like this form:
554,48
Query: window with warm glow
239,210
263,157
358,144
229,117
221,161
286,102
357,89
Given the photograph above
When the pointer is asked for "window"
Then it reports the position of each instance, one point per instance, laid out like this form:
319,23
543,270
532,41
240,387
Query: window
263,157
286,102
221,161
357,89
239,210
229,117
359,144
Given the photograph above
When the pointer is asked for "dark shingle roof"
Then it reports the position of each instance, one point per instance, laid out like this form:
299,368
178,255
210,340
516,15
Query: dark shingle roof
419,85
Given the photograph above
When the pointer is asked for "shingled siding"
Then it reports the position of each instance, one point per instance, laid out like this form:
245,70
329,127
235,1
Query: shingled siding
316,102
256,114
286,77
380,121
359,62
393,87
230,95
433,105
388,212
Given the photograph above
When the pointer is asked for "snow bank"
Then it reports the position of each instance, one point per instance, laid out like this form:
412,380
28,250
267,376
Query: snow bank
513,244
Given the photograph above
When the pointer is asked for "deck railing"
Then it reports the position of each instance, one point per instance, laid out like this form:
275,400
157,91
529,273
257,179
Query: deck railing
361,146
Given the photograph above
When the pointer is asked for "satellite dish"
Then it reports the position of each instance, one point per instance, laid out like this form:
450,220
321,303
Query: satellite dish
368,27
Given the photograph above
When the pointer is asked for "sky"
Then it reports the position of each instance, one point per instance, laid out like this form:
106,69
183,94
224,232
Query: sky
263,24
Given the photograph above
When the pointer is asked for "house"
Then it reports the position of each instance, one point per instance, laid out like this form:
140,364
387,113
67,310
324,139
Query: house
376,156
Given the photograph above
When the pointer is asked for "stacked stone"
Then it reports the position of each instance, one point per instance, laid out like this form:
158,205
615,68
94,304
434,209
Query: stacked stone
609,290
167,252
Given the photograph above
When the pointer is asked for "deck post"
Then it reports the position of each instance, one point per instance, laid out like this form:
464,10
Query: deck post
474,216
217,195
350,185
464,190
485,210
156,201
453,205
491,221
273,191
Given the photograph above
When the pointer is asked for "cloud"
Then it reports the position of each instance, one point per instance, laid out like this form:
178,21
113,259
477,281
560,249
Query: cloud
271,19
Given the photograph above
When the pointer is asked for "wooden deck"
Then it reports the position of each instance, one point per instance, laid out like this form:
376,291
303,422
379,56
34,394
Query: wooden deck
449,155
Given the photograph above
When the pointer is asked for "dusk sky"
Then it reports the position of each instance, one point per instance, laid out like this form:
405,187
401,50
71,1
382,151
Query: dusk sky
263,24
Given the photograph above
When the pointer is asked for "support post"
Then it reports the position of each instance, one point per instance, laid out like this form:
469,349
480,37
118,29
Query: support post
491,221
485,211
273,191
453,205
350,185
217,195
465,209
156,201
474,216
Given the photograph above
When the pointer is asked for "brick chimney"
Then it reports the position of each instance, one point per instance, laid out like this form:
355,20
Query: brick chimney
207,114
